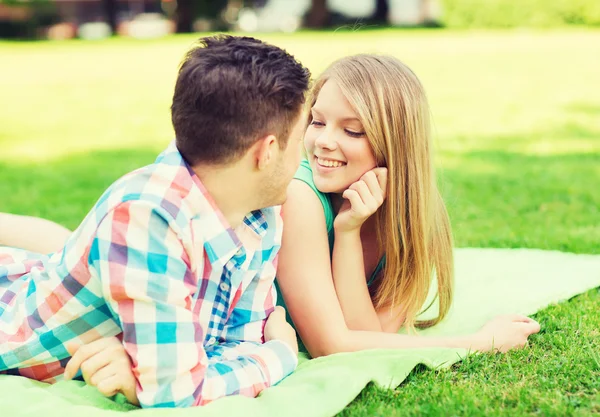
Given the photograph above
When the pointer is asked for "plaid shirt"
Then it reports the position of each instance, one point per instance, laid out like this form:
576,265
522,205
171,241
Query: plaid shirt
155,262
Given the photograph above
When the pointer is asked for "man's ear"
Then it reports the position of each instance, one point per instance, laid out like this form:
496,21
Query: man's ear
264,152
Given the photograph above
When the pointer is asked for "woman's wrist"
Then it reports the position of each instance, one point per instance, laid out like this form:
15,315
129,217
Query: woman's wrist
471,342
344,230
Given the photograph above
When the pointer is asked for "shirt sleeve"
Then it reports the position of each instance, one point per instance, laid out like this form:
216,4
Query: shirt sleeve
247,321
148,284
255,304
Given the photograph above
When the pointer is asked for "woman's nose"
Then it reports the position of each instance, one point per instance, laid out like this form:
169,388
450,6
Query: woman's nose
325,140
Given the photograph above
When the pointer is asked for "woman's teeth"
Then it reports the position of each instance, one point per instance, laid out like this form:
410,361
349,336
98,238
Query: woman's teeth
329,163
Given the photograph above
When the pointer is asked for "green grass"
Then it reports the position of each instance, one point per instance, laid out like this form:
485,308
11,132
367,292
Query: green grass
559,375
518,142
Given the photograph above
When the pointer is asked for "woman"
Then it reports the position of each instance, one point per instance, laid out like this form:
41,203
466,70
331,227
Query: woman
366,229
366,211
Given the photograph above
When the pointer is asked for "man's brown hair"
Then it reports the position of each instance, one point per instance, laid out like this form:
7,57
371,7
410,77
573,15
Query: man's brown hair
230,91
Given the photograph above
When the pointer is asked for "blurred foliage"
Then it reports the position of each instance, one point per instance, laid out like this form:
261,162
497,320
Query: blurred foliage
520,13
34,4
456,14
27,17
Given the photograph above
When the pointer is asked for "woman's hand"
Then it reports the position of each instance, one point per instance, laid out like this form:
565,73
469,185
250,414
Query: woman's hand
505,333
362,199
105,365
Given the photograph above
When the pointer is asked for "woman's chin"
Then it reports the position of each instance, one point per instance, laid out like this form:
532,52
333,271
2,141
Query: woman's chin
328,188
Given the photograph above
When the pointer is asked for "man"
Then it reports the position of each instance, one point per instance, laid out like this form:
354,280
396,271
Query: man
178,258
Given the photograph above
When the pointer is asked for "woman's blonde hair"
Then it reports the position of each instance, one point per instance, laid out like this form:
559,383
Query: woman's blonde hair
413,227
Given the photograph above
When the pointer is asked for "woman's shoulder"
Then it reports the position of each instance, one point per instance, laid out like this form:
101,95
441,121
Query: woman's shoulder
305,175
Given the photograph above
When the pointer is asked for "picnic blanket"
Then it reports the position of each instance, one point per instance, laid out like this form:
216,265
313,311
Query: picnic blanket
488,282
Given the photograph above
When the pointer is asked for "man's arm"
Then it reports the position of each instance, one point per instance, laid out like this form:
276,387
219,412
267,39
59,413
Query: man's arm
256,303
32,233
245,327
144,268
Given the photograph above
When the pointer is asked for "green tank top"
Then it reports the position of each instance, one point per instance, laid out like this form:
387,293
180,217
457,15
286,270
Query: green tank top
305,175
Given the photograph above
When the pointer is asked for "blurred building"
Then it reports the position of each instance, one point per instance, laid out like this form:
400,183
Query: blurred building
95,19
85,11
289,15
64,18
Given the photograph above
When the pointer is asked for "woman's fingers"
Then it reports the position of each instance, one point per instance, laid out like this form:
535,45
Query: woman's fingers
371,190
382,178
356,202
366,196
530,327
377,181
520,318
370,179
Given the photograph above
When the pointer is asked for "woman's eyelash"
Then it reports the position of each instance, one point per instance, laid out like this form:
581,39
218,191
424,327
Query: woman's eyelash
348,132
354,134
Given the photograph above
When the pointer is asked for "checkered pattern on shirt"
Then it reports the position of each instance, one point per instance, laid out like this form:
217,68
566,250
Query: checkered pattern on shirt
156,262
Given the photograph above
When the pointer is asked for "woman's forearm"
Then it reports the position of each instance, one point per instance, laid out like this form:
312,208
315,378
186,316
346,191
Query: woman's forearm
360,340
357,340
351,284
503,333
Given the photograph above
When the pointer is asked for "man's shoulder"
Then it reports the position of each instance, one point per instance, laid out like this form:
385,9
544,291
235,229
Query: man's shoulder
167,187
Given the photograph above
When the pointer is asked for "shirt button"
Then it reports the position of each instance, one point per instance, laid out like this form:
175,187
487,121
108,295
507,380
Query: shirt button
212,341
224,286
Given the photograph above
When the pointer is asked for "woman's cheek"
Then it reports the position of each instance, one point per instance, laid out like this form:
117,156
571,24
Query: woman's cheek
309,141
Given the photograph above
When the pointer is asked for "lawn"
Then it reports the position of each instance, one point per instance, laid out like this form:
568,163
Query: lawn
517,132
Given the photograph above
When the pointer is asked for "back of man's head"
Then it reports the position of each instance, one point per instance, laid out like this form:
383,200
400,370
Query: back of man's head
230,92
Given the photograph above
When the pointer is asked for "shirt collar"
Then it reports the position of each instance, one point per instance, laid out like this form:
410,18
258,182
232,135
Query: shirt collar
221,241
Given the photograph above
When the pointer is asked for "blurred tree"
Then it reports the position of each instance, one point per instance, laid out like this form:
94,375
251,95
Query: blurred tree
110,11
23,19
381,11
187,11
318,15
185,14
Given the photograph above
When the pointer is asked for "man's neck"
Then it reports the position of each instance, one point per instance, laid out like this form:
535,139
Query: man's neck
232,190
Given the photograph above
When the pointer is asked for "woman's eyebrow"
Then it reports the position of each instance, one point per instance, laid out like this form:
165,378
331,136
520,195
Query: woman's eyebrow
315,110
346,119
